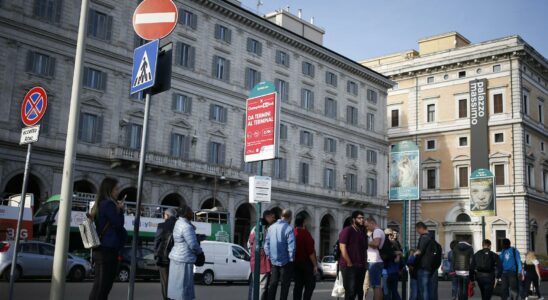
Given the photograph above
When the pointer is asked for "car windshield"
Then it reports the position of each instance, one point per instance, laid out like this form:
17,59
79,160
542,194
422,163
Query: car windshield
328,259
47,208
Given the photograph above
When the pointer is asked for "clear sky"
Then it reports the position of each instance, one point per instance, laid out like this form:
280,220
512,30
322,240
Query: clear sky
362,29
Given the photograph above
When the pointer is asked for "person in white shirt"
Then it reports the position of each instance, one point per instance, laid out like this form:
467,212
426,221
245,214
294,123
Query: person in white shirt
374,258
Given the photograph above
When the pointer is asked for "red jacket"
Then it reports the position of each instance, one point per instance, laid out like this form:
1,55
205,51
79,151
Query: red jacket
304,243
265,262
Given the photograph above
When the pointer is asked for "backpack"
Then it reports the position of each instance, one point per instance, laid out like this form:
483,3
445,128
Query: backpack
166,244
431,259
484,263
336,251
387,251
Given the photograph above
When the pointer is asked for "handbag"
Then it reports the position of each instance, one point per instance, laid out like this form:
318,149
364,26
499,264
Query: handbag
200,260
470,289
89,235
338,288
497,290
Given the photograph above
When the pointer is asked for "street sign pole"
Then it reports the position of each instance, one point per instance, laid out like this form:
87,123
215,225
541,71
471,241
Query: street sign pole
405,250
137,221
58,278
258,241
19,220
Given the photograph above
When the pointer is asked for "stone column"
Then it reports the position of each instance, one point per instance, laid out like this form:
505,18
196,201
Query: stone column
316,229
231,215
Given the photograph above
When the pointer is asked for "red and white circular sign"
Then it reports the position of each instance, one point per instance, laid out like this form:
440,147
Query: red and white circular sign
155,19
34,106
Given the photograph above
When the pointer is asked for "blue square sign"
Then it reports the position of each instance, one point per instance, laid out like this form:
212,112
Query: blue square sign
145,59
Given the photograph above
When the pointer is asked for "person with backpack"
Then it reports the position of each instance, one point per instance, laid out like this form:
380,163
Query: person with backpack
264,269
374,259
511,270
451,271
353,256
427,261
392,266
306,263
163,242
484,269
461,263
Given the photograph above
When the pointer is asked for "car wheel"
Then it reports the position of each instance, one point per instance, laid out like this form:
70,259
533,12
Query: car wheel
207,277
17,273
123,275
77,274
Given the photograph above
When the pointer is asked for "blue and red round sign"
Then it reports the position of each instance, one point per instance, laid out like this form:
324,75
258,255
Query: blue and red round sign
34,106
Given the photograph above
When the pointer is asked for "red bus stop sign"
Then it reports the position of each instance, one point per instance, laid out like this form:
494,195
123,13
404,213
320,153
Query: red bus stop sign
34,106
155,19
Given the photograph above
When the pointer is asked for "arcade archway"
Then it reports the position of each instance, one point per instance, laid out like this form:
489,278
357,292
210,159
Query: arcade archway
243,223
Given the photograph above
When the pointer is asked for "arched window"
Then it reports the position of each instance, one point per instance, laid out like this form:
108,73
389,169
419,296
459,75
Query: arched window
463,218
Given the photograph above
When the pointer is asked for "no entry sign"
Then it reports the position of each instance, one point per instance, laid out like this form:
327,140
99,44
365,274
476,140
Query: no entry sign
262,123
34,106
155,19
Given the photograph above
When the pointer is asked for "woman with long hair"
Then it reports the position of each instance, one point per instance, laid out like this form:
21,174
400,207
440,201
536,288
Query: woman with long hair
532,274
108,215
182,257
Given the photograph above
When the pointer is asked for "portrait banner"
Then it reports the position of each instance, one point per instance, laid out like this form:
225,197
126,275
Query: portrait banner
404,172
482,193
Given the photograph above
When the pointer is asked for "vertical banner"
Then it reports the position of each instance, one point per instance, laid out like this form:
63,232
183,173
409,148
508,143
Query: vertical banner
262,123
404,171
482,193
479,144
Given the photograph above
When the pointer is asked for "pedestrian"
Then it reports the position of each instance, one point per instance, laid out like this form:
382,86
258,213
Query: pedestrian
484,269
108,215
461,263
424,263
391,269
264,269
511,270
366,279
411,260
306,263
532,274
352,262
182,257
451,272
374,259
163,242
280,247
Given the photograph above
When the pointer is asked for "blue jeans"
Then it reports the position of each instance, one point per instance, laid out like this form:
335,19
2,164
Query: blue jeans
413,294
424,279
375,274
390,287
434,290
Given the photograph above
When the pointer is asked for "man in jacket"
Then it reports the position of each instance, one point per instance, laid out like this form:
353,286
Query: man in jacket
306,263
511,270
461,262
280,247
164,232
353,258
424,270
485,266
268,219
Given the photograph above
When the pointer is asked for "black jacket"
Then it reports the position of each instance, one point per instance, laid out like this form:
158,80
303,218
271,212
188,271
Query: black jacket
462,257
163,231
494,265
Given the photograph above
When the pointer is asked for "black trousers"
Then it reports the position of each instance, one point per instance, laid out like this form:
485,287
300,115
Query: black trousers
462,287
304,278
486,284
528,280
510,286
353,282
164,276
106,266
277,274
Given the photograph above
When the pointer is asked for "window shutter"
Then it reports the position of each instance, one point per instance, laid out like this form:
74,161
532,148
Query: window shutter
30,60
108,28
249,45
91,19
312,70
334,145
174,101
173,145
285,95
327,77
286,63
247,79
58,10
260,49
214,67
228,36
37,8
227,71
99,130
193,21
303,95
186,147
179,53
311,100
325,145
222,150
191,57
355,116
217,31
304,67
311,140
103,84
335,80
80,126
211,112
51,66
224,112
258,79
301,137
188,105
278,56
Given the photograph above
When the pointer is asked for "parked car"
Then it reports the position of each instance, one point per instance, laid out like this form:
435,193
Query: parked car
223,262
35,260
329,266
444,269
146,265
543,272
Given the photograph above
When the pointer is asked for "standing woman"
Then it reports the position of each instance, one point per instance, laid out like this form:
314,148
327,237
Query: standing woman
109,220
532,274
182,258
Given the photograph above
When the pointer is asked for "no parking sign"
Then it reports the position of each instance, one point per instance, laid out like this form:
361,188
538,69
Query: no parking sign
34,106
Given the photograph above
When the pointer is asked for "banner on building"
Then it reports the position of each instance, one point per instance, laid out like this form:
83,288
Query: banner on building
482,193
404,171
479,137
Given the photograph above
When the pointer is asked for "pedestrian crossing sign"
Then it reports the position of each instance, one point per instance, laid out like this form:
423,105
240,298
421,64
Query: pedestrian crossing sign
145,59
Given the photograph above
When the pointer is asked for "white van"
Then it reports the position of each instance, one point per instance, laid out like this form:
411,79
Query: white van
223,262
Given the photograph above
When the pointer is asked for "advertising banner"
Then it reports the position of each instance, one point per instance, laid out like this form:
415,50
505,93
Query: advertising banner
404,171
262,123
482,193
479,138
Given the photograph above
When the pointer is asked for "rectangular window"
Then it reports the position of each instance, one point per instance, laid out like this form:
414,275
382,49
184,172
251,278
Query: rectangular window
48,10
395,118
351,182
251,167
463,177
40,64
216,153
352,87
372,96
527,139
496,68
500,235
180,146
99,25
371,189
283,89
307,99
351,151
329,178
330,108
95,79
499,137
545,180
187,18
308,69
282,58
134,132
221,68
181,103
186,55
463,141
541,113
303,173
254,46
252,77
430,179
279,168
462,74
499,174
497,104
139,96
306,139
371,156
351,115
430,79
542,146
218,113
90,128
431,145
283,132
370,122
330,145
463,108
222,33
530,176
431,113
525,103
331,78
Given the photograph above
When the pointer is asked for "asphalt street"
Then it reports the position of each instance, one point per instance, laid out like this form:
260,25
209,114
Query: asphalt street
38,290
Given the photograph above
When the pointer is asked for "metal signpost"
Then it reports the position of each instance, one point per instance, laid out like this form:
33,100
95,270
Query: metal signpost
261,143
32,110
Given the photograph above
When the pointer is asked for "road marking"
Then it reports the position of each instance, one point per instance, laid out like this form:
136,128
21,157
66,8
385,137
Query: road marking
149,18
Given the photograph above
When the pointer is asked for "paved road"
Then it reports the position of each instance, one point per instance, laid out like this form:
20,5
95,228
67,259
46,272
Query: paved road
32,290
